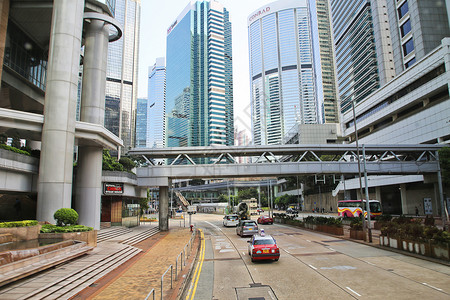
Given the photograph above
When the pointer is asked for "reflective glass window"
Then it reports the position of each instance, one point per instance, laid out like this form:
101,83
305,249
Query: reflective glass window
403,10
405,28
408,47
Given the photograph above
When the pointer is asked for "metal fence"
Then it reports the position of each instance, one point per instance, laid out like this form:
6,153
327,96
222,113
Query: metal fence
182,258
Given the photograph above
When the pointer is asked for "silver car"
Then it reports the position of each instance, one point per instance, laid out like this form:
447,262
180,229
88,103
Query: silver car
230,220
246,227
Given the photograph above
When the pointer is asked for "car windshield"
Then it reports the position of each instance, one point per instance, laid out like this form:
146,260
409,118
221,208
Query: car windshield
267,241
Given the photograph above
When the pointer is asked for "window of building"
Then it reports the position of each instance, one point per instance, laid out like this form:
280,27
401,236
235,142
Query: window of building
408,47
403,10
405,28
410,63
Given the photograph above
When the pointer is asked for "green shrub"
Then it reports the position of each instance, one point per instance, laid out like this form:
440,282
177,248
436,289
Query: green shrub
49,228
14,149
18,223
65,216
356,224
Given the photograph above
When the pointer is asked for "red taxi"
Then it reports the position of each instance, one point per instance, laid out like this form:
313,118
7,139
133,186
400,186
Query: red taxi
264,220
263,247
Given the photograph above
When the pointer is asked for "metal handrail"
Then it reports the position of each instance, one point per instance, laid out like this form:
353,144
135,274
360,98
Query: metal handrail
171,279
152,291
184,254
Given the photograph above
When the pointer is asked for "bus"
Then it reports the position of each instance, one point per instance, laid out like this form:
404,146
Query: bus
352,208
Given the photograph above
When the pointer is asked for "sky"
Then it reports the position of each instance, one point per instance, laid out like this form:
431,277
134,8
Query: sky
156,17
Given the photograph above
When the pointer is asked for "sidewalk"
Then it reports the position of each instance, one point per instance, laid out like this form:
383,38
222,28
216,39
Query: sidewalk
135,279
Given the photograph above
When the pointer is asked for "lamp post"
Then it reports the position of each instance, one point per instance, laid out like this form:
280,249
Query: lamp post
359,166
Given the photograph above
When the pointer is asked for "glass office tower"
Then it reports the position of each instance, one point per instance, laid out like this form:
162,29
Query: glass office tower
141,123
199,93
121,74
282,70
156,106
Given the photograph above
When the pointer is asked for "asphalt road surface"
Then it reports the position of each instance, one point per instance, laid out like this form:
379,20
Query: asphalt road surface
311,266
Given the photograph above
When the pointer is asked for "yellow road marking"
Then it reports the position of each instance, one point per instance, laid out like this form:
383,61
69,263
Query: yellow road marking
198,268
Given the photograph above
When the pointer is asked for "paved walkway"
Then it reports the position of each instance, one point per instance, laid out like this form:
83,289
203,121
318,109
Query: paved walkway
137,278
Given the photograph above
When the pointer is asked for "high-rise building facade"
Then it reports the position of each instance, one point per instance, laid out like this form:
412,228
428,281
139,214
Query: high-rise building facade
330,108
121,76
156,105
199,93
417,27
363,48
141,123
282,70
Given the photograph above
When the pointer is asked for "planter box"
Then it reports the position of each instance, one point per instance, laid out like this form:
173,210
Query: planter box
377,225
25,233
89,237
357,234
440,251
338,230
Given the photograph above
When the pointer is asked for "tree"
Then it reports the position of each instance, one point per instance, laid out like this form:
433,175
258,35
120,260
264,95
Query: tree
127,163
110,163
222,198
248,193
143,203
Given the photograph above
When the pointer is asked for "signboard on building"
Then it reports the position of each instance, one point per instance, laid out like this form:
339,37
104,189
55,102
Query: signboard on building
113,188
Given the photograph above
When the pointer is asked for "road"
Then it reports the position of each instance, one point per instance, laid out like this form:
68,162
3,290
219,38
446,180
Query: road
311,266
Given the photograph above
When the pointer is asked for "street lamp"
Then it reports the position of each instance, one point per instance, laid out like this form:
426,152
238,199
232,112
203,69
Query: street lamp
359,166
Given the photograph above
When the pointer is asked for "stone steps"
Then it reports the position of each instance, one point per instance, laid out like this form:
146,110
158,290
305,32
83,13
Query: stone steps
111,233
141,236
69,285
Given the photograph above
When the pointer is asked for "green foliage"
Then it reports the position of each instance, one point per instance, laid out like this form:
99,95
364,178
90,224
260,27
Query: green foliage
222,198
356,224
285,200
110,163
247,194
49,228
329,221
14,149
444,160
18,223
127,163
143,205
65,217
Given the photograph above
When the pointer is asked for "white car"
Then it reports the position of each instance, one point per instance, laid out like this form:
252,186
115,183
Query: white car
230,220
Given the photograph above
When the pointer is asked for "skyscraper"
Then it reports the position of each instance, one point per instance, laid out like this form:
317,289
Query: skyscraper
363,48
121,76
282,70
199,94
330,109
141,123
417,27
156,105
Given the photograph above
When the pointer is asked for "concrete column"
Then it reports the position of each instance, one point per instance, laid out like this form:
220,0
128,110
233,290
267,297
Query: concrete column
89,174
88,188
34,145
58,132
403,199
163,208
4,13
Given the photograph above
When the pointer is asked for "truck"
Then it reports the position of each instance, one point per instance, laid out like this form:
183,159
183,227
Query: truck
242,211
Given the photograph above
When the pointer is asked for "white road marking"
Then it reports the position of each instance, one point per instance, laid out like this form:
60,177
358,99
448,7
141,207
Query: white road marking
308,241
338,268
272,296
287,251
313,267
433,287
370,263
243,253
353,291
332,249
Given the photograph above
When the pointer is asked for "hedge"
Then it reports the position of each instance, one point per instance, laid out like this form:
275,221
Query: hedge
50,228
18,223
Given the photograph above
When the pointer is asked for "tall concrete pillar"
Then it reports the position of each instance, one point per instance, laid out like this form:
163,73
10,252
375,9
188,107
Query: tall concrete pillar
163,208
403,199
58,132
89,173
4,14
